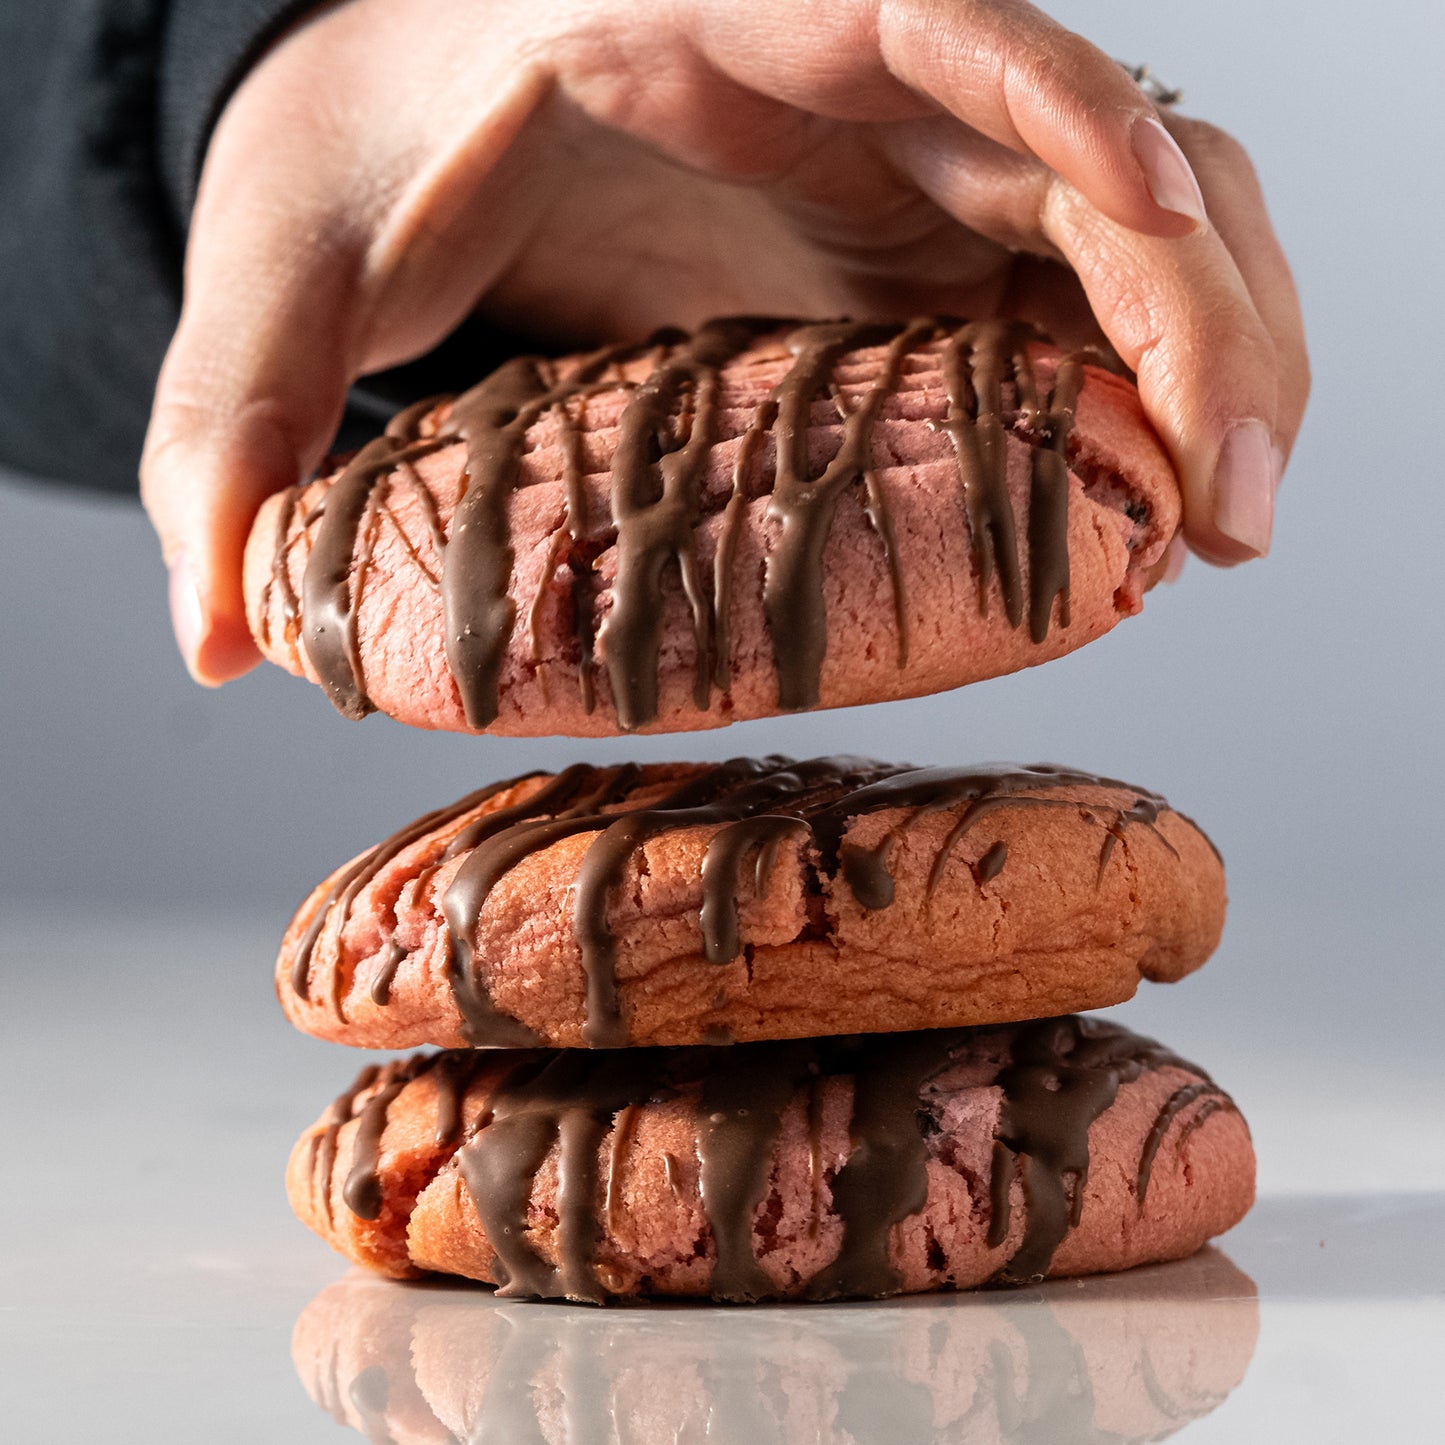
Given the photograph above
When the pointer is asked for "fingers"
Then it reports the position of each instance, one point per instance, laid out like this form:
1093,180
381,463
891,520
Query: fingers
326,241
1181,316
231,424
1237,211
999,66
1210,322
1023,80
250,393
1218,342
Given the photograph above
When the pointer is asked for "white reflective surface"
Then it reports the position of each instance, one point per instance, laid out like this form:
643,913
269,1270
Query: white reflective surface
1135,1357
154,1288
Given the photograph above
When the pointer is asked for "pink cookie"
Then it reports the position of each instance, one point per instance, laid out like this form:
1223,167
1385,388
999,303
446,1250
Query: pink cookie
697,530
819,1169
761,898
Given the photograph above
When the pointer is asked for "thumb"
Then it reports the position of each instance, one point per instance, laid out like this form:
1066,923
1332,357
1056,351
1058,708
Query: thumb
250,394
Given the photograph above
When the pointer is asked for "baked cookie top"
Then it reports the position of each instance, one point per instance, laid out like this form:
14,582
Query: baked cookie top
760,517
758,898
818,1168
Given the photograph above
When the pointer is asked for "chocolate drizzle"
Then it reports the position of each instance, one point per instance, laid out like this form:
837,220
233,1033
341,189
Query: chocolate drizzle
886,1177
331,585
977,362
656,500
667,435
804,507
739,1116
581,1111
1064,1073
1214,1098
567,1100
753,804
382,980
362,1190
324,1143
356,875
991,864
492,419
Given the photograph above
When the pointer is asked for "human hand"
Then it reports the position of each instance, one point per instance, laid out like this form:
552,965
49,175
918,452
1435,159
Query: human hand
595,169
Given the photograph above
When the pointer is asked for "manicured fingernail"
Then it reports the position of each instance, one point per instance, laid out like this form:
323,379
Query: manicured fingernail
1167,171
1245,478
186,616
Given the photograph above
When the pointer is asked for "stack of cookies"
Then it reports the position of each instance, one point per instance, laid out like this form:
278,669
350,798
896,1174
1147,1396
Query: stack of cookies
766,1028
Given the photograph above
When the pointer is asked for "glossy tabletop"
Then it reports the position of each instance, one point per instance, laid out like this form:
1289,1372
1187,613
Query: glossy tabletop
153,1286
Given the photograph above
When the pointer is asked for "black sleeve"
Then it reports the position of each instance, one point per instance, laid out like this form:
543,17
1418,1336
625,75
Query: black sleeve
105,110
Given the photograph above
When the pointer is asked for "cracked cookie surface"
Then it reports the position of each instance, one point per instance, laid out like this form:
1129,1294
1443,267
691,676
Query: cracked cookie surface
754,899
696,530
820,1168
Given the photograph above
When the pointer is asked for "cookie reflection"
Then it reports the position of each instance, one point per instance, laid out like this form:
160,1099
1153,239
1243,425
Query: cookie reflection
1115,1358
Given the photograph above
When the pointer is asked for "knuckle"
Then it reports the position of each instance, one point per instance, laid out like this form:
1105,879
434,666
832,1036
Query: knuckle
1228,374
1237,352
1059,70
1071,70
173,425
1220,346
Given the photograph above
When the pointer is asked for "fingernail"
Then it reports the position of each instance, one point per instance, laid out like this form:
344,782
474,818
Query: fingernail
1245,478
186,617
1278,452
1167,171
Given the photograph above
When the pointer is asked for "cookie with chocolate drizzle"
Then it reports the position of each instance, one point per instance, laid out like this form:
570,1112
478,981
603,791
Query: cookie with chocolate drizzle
759,898
812,1169
753,519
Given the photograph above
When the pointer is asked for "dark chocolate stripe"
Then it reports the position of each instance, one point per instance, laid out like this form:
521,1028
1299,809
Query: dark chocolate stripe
323,1145
362,1190
1063,1074
885,1180
493,419
656,503
357,875
1179,1100
974,363
721,864
331,584
568,1102
805,506
385,974
329,602
739,1114
280,577
990,865
1049,501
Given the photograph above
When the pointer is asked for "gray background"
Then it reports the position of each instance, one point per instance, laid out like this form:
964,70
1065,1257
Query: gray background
154,838
1291,705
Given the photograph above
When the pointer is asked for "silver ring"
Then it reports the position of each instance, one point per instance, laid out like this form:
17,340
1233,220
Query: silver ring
1162,95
